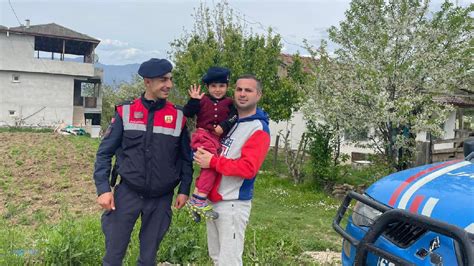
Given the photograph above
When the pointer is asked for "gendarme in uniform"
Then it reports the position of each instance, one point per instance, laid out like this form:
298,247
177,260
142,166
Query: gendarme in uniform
150,140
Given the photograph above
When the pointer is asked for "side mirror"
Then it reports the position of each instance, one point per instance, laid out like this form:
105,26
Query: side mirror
468,148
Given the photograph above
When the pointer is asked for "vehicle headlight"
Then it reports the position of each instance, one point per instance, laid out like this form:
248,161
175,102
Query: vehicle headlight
364,215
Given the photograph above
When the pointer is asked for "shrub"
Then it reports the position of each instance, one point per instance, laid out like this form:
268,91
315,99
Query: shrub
321,147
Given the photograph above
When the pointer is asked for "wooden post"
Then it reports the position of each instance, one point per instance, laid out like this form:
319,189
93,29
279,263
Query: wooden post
64,50
431,149
275,151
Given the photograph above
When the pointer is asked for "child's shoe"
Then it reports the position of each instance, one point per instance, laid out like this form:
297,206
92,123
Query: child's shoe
201,208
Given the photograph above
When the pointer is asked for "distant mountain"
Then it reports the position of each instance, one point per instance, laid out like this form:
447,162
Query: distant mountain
116,74
113,74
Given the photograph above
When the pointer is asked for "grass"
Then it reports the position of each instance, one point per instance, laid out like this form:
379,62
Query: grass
286,220
25,129
50,216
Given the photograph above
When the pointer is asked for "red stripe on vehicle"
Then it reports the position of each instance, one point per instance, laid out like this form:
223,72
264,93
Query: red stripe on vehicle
416,203
412,178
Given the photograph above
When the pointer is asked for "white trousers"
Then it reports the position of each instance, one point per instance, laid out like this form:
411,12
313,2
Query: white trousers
225,236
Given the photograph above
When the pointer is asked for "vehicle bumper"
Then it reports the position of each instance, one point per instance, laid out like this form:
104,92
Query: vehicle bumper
369,247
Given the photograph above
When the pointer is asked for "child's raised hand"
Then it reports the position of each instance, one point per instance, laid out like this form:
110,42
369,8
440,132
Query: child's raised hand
195,92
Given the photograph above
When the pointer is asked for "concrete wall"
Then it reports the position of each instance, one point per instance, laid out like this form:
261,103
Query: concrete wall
17,54
33,92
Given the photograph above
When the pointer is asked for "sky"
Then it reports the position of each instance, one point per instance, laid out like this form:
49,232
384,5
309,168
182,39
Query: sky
134,31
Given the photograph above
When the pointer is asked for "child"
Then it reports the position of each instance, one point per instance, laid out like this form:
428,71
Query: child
215,115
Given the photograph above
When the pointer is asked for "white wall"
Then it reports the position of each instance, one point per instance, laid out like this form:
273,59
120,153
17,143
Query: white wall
297,126
17,54
32,93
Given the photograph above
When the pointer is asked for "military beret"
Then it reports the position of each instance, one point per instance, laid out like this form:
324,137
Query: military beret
216,75
154,68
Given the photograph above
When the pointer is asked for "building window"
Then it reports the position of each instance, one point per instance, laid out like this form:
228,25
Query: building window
361,134
12,112
16,78
93,119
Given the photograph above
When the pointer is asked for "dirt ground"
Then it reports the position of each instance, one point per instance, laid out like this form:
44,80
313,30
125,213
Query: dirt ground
43,175
325,257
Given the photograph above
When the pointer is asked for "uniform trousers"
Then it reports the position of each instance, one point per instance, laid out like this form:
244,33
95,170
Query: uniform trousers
117,225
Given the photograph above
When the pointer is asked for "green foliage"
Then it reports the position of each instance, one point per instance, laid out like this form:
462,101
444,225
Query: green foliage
275,165
113,96
328,168
109,100
219,38
26,129
185,241
363,176
13,244
71,242
394,60
321,151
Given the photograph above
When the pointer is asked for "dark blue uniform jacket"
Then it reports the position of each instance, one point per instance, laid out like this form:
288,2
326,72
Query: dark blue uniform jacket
151,144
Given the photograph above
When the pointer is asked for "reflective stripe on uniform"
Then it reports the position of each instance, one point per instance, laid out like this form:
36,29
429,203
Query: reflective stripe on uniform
175,132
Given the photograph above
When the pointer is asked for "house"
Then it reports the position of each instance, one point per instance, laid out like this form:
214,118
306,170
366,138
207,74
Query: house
43,83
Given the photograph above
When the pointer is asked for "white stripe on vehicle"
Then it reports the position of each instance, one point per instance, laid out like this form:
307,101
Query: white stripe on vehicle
429,206
470,228
424,180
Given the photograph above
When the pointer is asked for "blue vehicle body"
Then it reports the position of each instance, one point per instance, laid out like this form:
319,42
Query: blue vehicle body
442,191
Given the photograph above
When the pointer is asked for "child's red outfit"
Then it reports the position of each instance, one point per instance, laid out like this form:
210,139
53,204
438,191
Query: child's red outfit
211,143
210,113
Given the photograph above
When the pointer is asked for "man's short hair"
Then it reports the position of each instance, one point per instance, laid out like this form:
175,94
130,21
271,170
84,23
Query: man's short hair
251,76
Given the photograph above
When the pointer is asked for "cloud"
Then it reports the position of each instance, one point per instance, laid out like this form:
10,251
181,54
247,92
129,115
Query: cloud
130,53
108,44
126,55
117,52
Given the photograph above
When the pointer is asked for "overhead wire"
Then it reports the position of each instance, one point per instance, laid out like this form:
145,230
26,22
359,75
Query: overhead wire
13,10
21,25
262,26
